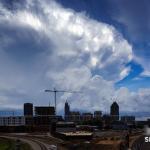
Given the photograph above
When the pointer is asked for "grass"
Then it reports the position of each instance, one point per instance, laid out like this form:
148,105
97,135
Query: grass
6,144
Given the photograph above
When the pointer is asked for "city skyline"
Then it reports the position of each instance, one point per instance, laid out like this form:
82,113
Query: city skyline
29,109
93,47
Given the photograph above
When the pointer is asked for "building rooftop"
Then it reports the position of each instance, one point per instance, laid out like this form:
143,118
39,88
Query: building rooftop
78,133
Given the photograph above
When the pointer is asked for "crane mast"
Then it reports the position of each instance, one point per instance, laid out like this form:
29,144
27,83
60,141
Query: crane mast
59,91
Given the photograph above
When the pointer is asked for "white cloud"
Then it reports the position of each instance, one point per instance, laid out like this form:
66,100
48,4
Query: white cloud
29,20
128,15
74,34
76,52
144,61
125,72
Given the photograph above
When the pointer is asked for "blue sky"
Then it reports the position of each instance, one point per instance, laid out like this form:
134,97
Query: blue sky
134,13
100,47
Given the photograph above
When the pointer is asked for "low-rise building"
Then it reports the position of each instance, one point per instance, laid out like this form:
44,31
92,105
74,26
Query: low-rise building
12,121
128,119
74,116
87,116
98,115
119,125
65,126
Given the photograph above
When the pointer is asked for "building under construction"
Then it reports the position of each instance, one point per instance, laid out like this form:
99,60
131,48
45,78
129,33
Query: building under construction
44,111
38,119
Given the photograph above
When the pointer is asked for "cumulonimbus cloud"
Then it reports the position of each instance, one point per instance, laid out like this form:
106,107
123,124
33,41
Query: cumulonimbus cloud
75,35
76,52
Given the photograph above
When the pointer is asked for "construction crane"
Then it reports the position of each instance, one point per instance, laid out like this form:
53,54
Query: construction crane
55,91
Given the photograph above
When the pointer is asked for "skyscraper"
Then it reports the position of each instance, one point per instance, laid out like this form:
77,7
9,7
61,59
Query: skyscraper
114,111
67,110
28,109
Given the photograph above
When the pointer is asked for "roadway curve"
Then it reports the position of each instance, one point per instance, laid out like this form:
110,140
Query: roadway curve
35,145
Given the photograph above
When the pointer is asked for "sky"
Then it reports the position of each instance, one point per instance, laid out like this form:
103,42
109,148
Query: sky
99,47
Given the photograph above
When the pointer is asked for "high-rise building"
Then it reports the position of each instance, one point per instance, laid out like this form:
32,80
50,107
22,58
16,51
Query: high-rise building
67,111
44,111
114,111
28,109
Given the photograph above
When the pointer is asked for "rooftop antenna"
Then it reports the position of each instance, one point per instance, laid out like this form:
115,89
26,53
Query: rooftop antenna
55,91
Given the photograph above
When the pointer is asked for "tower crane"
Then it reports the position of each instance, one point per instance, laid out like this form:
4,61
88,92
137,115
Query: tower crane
55,91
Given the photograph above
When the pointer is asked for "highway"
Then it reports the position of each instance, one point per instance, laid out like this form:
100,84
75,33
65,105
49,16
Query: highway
35,144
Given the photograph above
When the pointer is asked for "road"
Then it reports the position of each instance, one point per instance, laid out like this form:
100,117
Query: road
35,144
